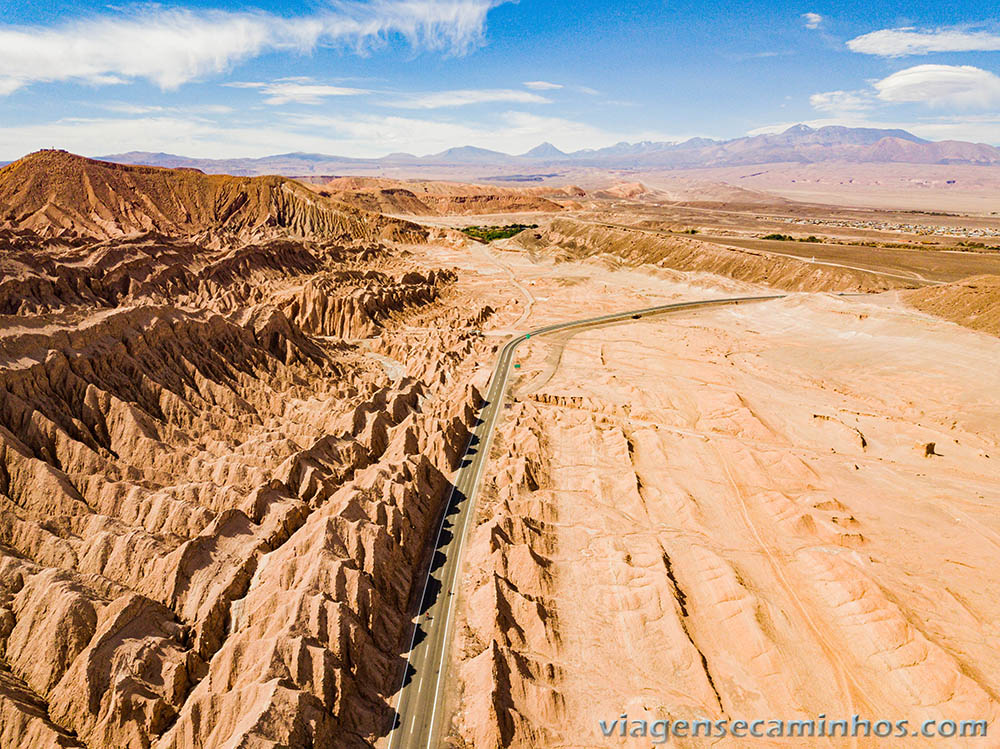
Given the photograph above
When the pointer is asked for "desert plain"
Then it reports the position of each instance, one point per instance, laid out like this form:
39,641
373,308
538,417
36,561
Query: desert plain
233,410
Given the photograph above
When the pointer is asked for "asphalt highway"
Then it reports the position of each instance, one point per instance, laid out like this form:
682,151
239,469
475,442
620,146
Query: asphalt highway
419,719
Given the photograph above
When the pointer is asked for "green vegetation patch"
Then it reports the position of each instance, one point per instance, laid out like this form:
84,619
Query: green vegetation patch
492,233
790,238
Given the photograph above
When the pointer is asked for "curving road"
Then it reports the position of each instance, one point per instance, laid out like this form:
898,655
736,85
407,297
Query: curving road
418,718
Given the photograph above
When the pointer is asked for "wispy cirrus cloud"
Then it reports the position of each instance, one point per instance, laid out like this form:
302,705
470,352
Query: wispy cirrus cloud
542,85
837,102
123,107
171,46
907,41
297,91
465,97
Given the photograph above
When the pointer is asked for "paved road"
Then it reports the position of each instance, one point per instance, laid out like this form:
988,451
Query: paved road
419,707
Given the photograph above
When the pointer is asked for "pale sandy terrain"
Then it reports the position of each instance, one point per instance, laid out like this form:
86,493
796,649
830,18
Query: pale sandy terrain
733,513
957,188
961,188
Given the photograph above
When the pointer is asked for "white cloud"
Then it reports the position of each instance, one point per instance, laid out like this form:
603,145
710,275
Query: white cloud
297,91
127,108
511,132
526,130
9,85
172,46
841,101
961,86
812,20
910,41
141,109
542,85
465,97
981,129
374,135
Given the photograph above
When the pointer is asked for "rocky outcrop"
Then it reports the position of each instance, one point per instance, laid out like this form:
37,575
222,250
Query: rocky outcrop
439,198
354,305
510,635
41,276
189,558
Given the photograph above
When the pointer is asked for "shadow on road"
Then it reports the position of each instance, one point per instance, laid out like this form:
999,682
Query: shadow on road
433,590
430,570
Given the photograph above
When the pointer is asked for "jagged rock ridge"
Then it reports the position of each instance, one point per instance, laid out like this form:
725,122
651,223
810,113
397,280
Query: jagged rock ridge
215,499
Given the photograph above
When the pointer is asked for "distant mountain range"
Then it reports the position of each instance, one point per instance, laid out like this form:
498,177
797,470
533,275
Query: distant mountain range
799,143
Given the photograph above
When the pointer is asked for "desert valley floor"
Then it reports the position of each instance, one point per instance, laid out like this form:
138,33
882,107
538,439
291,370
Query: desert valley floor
231,412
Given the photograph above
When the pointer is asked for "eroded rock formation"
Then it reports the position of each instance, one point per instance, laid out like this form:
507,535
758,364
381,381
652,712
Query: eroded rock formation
214,499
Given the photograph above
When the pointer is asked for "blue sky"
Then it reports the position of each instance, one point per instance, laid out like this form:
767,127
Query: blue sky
369,77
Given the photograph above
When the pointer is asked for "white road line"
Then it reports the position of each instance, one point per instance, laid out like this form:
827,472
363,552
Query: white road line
430,567
483,457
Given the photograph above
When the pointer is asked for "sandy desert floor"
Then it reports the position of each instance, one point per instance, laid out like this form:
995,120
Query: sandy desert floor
930,187
733,513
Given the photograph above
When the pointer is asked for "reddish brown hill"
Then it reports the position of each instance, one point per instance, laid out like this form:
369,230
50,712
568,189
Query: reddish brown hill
435,197
58,193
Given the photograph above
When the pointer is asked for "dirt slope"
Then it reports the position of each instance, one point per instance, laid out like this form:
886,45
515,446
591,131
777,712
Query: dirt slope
973,303
567,239
437,198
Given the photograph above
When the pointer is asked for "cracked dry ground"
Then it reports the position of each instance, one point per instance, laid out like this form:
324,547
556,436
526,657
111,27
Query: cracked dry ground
731,513
212,510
